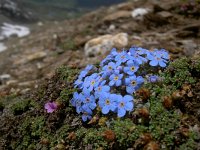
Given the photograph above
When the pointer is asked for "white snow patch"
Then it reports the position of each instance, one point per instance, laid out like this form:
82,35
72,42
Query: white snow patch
138,13
9,30
2,47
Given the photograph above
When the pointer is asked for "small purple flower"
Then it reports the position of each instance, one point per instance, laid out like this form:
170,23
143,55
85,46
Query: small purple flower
50,107
153,78
115,79
131,67
124,104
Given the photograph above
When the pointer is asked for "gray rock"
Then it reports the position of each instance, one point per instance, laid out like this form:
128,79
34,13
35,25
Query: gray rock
117,15
189,46
103,44
4,78
165,14
12,10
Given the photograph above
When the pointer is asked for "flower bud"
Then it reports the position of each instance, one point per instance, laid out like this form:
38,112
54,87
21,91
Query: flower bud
177,95
167,102
109,135
152,146
71,136
144,93
144,112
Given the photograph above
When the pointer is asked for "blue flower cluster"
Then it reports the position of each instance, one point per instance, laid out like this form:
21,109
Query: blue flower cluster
111,86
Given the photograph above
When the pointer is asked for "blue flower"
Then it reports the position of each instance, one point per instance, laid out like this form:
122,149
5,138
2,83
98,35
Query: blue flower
107,102
101,88
91,82
85,71
115,79
133,83
104,86
78,83
156,58
88,100
153,78
135,55
140,50
124,104
87,114
109,57
77,102
108,69
121,57
164,54
131,68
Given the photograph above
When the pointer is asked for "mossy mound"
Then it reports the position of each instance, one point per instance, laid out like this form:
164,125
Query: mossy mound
169,118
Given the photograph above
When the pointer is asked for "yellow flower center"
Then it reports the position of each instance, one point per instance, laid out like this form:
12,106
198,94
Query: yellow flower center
132,68
85,113
87,100
158,58
116,78
133,82
93,82
121,104
109,67
107,101
99,88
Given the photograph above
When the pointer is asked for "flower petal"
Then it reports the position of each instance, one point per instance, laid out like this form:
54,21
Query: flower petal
121,113
130,89
162,64
129,106
118,83
111,83
128,98
105,110
153,63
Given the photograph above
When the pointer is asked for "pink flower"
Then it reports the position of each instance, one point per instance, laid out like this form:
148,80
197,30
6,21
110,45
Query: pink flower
50,107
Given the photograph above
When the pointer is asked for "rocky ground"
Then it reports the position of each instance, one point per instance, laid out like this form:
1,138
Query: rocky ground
31,62
35,57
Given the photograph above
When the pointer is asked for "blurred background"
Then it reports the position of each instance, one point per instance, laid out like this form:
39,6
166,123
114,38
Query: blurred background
27,13
38,36
32,10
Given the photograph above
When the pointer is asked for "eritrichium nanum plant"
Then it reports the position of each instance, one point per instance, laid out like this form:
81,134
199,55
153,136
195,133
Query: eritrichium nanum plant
110,87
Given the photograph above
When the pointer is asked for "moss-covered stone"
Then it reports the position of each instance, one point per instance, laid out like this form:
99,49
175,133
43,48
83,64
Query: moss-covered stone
21,106
67,44
179,73
32,128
